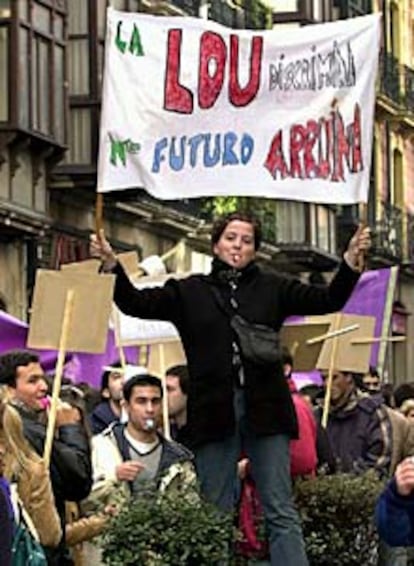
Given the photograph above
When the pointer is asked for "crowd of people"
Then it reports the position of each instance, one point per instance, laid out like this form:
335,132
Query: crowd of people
238,425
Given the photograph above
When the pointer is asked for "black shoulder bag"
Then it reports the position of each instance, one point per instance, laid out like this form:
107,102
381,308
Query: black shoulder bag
258,343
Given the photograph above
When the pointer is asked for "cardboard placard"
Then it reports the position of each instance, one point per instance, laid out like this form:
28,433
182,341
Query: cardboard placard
294,337
173,355
129,261
92,305
350,357
88,266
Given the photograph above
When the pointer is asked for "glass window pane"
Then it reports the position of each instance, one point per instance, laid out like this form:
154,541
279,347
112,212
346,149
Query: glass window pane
44,68
317,10
79,136
24,69
59,94
78,16
41,18
118,4
5,9
102,5
23,9
133,5
34,86
61,5
58,26
284,5
101,55
79,66
290,222
323,228
4,78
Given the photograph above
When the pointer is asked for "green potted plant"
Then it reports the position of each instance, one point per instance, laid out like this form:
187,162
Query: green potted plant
337,518
171,529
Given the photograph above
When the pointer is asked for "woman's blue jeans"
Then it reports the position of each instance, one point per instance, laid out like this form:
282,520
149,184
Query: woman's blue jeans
216,465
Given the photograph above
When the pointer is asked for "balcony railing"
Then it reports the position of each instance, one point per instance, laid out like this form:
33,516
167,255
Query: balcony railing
396,81
191,7
221,12
388,231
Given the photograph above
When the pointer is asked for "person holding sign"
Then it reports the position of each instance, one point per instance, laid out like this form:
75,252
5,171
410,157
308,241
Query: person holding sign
70,464
233,402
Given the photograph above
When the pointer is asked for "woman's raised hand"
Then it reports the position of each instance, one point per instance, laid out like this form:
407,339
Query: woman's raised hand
100,248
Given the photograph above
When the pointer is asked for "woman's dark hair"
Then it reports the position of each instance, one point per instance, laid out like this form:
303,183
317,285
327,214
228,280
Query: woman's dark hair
222,222
75,397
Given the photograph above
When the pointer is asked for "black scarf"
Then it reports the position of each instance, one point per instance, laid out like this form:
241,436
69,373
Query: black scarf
225,273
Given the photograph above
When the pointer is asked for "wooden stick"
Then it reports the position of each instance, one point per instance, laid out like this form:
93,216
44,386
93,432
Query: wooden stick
332,334
173,250
294,348
332,362
166,419
117,333
363,218
99,212
376,340
57,382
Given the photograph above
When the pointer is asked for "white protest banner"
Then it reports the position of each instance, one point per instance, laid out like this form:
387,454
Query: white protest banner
192,108
133,330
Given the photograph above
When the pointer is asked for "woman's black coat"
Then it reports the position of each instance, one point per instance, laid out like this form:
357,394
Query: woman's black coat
206,335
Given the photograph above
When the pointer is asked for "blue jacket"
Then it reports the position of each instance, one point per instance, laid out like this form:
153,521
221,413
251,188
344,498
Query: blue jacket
101,417
394,516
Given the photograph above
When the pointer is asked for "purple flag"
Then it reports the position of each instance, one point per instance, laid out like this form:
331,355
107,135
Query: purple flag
374,296
78,367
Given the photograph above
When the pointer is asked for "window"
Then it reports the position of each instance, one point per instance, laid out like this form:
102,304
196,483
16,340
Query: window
78,17
395,31
79,136
59,94
41,18
290,222
5,9
23,9
39,100
4,75
24,77
79,66
398,179
40,95
322,223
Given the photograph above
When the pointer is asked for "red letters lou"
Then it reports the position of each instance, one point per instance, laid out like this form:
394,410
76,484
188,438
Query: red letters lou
212,63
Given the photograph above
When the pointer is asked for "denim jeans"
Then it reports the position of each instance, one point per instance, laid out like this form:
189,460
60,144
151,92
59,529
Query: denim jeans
216,465
392,556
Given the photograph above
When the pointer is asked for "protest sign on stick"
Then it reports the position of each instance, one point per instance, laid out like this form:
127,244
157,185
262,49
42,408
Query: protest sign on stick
70,312
350,356
341,350
91,310
57,381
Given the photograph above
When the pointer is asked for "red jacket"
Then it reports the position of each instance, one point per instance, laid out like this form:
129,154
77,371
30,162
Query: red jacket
303,456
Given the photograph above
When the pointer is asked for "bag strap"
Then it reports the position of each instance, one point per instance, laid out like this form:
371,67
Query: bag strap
23,515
